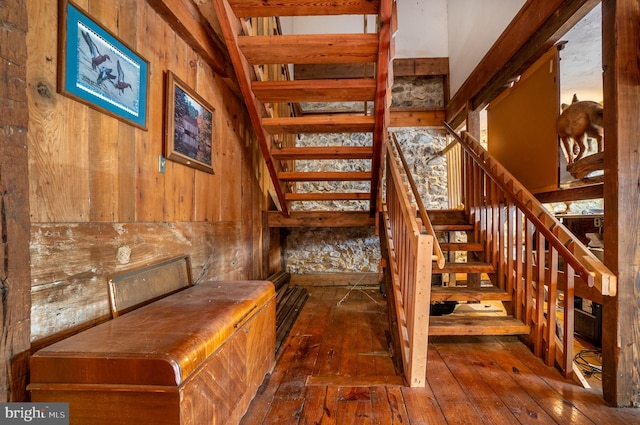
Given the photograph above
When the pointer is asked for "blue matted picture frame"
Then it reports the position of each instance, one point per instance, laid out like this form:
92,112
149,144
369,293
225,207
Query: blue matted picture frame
99,70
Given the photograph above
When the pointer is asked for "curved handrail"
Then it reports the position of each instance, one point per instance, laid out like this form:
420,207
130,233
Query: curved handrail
437,251
581,259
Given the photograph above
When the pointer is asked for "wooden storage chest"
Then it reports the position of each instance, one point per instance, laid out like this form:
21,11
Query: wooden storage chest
195,357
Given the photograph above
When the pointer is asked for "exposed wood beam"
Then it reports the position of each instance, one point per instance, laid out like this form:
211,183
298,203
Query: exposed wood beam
319,124
250,8
420,67
533,31
387,28
315,90
621,322
187,21
591,191
314,71
309,48
231,27
321,219
431,118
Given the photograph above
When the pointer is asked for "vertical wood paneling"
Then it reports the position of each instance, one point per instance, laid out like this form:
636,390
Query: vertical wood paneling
208,186
103,138
58,152
98,201
150,183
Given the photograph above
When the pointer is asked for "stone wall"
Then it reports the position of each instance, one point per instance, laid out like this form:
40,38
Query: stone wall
353,250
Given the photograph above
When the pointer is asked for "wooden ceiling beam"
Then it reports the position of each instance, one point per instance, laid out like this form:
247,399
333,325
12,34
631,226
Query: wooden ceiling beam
431,118
413,67
187,21
536,27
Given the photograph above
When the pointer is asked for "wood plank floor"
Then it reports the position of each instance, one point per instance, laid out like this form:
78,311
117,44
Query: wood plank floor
334,368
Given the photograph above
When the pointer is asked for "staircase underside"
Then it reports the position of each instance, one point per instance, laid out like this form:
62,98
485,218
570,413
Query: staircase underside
255,54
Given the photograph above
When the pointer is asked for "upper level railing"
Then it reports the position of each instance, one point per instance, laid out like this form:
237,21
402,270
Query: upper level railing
410,252
438,256
537,259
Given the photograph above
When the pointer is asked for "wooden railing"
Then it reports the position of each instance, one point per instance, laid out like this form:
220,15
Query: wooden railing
410,253
438,256
537,259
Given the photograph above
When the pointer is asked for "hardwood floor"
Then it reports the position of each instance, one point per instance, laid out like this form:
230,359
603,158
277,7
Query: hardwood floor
334,368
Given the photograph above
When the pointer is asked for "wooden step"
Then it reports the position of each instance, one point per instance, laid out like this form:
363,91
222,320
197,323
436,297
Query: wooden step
319,124
355,90
468,267
438,217
251,8
461,293
323,152
461,246
289,302
279,279
296,176
476,325
328,196
452,227
309,48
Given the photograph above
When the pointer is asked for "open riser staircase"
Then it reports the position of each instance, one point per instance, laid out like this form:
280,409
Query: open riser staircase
338,70
501,247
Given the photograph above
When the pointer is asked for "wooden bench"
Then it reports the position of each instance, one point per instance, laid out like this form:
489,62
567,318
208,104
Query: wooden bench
196,356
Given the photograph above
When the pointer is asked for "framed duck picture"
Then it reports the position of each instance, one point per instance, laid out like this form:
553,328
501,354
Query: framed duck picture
98,69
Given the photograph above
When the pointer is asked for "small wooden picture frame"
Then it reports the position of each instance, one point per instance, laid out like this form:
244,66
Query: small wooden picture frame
189,126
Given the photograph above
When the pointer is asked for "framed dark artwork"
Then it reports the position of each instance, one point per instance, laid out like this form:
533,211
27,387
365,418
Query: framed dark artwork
188,126
97,69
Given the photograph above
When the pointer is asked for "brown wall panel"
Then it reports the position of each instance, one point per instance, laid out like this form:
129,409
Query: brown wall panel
95,189
521,126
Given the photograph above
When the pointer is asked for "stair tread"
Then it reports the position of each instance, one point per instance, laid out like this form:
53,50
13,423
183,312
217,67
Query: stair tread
476,325
301,176
461,246
452,227
468,267
323,152
309,48
447,217
352,90
328,196
319,124
461,293
251,8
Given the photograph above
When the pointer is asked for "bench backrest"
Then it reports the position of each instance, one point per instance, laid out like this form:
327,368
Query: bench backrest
134,288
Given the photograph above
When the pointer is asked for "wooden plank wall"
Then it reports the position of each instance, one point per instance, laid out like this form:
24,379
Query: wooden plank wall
14,204
98,202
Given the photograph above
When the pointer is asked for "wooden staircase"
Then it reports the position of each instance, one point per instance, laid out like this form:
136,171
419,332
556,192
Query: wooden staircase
251,53
470,281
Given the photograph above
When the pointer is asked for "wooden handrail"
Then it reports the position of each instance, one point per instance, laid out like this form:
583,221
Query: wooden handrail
409,252
438,256
583,261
